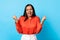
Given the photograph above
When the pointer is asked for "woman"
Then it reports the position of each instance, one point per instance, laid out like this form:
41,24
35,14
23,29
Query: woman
29,24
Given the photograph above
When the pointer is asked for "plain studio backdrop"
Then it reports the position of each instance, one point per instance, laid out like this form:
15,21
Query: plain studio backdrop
49,8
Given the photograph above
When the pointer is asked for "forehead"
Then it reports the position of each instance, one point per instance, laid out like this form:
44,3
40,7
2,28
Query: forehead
28,7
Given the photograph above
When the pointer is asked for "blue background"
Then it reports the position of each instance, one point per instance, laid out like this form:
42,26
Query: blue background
49,8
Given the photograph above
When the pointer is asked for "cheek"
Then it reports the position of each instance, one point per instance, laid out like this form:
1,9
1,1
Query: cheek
32,11
27,11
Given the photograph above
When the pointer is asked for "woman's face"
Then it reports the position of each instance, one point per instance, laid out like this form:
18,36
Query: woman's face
29,11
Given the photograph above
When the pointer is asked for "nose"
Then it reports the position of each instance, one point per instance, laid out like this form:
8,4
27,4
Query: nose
29,10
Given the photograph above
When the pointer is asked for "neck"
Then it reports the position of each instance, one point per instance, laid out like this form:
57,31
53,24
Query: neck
29,17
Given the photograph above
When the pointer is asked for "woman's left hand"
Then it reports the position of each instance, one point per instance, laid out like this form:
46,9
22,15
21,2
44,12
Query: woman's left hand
43,19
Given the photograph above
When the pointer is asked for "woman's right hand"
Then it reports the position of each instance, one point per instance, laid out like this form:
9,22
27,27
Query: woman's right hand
15,18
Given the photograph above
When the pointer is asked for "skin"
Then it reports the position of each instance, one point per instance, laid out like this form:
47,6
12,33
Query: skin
43,19
29,12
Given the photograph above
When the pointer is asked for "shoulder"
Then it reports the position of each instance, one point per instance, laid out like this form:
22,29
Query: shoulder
21,17
36,17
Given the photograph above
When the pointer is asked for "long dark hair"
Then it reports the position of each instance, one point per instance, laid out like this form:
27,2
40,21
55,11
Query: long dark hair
25,11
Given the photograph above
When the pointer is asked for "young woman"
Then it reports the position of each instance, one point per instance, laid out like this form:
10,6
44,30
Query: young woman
29,24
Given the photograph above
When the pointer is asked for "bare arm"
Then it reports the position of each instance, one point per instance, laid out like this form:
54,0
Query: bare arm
43,19
15,18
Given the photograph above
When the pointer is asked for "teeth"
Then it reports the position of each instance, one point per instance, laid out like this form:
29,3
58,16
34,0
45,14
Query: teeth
29,14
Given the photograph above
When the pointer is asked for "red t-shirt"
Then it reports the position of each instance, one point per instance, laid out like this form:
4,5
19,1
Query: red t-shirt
30,26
